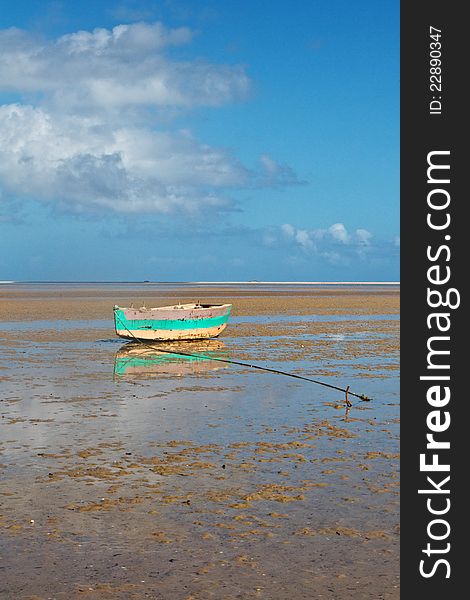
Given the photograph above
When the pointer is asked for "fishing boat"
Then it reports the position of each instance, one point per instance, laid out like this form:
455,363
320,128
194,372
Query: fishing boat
180,322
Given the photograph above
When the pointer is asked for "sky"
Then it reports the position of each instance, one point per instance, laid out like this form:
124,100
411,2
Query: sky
176,140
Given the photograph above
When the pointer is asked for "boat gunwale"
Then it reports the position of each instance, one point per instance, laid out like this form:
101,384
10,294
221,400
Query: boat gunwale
191,307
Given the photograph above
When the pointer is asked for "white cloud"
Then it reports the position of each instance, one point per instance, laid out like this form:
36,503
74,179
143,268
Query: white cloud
124,39
288,230
127,65
86,138
274,173
335,244
303,238
269,238
363,236
79,162
338,232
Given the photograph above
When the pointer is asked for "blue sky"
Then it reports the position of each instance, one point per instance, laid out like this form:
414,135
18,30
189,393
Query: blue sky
176,141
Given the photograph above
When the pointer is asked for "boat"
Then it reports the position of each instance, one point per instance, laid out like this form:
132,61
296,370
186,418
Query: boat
167,323
138,360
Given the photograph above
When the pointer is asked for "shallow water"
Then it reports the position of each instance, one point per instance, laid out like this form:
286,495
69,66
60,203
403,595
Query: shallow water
180,479
65,324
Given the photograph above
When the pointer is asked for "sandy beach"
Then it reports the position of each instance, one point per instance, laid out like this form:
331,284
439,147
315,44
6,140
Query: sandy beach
132,475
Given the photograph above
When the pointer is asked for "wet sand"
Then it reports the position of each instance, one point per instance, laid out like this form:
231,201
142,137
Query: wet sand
130,475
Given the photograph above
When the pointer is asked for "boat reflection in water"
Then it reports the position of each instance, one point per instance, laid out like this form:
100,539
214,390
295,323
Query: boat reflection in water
139,360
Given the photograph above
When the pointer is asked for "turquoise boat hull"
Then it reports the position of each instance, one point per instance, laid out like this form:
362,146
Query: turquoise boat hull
180,322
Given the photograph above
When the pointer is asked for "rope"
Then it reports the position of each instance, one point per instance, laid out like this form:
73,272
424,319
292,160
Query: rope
243,364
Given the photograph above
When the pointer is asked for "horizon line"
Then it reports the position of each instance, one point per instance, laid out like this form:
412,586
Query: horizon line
251,281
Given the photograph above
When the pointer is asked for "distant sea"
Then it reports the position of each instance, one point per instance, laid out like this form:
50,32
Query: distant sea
178,284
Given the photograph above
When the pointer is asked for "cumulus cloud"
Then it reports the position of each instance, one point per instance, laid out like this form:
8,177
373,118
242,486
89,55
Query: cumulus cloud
82,163
335,243
123,66
302,237
288,230
85,138
364,237
338,232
